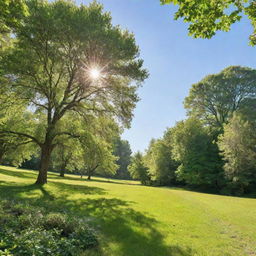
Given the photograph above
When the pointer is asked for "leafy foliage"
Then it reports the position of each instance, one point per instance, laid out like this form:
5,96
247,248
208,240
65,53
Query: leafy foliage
238,146
195,149
160,163
217,96
57,46
138,169
123,151
205,18
27,231
12,13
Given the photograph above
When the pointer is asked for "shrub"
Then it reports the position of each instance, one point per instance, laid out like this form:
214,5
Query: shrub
27,231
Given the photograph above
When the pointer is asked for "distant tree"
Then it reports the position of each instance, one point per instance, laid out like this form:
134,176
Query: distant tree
198,154
160,163
138,169
97,158
208,17
216,97
122,150
238,144
66,155
70,59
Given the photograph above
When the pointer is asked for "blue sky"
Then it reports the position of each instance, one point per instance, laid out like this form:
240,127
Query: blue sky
175,61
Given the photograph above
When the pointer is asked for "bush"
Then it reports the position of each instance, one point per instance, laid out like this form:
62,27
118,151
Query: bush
29,231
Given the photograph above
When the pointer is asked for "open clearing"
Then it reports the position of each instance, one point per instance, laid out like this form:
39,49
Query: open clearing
135,220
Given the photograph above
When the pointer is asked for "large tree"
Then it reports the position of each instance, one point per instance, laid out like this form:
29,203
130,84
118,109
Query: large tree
217,96
194,147
206,17
71,59
238,146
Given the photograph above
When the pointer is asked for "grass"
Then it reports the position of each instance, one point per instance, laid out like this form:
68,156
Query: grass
134,220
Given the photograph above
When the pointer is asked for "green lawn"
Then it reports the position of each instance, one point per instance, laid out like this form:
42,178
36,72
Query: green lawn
134,220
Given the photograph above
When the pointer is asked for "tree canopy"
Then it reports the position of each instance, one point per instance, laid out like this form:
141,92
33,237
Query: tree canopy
238,147
59,47
217,96
122,151
138,169
205,18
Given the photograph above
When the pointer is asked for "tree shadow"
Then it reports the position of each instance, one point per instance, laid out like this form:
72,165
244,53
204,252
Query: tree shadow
112,181
103,180
75,188
18,174
134,232
251,195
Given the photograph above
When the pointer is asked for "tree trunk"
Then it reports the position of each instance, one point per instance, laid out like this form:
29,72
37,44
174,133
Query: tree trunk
90,172
62,171
1,157
46,150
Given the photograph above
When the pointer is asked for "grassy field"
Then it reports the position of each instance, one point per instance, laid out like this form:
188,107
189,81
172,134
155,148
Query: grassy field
134,220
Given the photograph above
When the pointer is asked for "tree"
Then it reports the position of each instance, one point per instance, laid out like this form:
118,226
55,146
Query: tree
194,148
97,158
66,156
122,150
208,17
138,169
71,59
238,146
160,163
217,96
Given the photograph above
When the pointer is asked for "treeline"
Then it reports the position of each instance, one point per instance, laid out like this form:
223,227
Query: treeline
215,147
63,162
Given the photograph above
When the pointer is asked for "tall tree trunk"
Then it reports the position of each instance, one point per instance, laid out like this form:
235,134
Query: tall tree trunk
89,177
46,150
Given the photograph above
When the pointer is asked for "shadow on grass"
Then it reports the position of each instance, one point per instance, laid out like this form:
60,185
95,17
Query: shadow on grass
134,233
18,173
112,181
103,180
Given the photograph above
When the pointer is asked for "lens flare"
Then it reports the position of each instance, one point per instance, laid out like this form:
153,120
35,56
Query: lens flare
95,73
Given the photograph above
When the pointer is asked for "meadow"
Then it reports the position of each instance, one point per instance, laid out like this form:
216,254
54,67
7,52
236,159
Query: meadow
136,220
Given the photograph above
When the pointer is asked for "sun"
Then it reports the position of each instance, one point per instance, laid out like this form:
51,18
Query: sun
94,73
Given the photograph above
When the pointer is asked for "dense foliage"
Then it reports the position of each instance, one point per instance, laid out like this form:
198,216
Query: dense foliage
238,147
122,151
138,169
51,69
28,231
215,147
205,18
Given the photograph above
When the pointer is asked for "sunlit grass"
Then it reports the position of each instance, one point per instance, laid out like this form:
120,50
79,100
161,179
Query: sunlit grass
134,220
